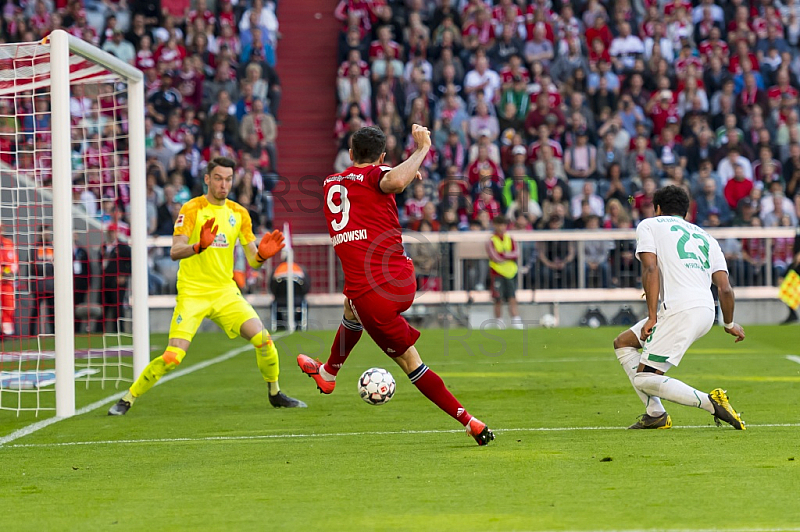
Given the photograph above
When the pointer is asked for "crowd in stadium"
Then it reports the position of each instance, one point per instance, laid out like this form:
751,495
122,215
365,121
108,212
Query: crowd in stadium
571,114
211,89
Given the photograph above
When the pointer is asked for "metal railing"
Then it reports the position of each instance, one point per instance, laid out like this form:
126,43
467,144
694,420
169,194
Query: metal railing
456,262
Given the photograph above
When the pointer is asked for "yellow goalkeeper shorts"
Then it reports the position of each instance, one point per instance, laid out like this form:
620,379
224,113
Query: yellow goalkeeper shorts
228,309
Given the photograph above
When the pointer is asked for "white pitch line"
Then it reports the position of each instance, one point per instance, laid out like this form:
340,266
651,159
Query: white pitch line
345,434
39,425
793,358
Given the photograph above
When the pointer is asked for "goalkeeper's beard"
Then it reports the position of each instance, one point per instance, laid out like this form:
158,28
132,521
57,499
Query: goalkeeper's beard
219,196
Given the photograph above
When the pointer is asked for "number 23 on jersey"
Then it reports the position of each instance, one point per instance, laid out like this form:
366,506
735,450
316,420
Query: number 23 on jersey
696,238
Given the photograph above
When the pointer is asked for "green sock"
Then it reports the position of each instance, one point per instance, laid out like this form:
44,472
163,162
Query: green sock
129,397
273,388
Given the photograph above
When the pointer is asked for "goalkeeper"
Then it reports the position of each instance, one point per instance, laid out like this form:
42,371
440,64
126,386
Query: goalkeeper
205,234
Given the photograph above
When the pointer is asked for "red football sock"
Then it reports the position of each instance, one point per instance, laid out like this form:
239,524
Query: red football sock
346,339
432,386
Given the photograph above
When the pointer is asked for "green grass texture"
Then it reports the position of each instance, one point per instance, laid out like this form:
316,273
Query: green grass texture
207,452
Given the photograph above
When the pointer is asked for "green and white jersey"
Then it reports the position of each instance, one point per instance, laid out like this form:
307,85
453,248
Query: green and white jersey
687,257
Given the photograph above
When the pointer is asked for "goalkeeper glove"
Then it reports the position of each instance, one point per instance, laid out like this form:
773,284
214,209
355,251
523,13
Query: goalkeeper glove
207,235
270,245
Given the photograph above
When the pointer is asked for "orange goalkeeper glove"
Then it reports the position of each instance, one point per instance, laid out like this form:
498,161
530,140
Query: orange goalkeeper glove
270,245
207,235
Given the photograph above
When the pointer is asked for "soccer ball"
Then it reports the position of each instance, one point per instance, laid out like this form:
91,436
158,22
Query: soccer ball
376,386
548,321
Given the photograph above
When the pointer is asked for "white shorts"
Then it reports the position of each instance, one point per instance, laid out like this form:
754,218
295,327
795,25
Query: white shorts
672,336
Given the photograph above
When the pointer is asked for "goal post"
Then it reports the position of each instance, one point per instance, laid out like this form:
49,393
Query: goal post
54,67
62,45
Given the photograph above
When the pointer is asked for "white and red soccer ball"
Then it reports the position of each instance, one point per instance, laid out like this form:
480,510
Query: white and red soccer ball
376,386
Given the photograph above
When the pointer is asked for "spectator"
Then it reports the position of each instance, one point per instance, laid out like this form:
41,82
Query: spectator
555,203
580,160
539,49
81,281
524,206
43,284
596,255
544,114
483,124
596,204
738,187
485,203
261,124
483,167
115,256
160,151
565,66
711,202
557,268
482,79
625,48
726,166
120,48
163,101
484,142
168,212
754,256
778,207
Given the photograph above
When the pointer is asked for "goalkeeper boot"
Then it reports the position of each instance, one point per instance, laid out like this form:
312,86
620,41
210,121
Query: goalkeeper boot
479,431
723,411
120,408
311,367
281,400
647,421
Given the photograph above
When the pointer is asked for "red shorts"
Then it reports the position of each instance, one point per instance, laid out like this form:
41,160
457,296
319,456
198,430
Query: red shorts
379,311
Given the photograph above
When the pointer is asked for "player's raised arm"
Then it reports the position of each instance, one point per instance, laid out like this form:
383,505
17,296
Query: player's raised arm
398,178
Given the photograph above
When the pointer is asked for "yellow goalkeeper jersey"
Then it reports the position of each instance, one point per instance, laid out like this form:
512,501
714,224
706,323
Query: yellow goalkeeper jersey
212,269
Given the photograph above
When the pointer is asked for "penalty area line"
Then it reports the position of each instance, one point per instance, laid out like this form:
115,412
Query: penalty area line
793,358
39,425
345,434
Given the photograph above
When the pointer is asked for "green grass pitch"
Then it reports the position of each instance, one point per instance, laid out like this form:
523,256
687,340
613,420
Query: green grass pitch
206,451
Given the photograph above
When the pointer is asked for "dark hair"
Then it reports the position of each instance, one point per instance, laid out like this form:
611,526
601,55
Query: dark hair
673,201
500,220
368,145
224,162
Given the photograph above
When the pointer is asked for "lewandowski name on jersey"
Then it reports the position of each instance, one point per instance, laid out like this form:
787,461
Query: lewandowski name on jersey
349,236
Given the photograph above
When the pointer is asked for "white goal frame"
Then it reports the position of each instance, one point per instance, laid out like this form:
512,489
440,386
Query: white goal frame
62,45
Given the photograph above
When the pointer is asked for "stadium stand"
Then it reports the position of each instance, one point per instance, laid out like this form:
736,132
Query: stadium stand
569,115
211,89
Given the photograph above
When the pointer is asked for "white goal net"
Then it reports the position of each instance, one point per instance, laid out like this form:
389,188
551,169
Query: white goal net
72,255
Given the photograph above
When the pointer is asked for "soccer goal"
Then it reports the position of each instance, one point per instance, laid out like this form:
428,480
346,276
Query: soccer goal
74,224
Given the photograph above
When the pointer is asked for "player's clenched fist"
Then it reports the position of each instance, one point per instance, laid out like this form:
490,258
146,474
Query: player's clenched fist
207,235
422,137
270,245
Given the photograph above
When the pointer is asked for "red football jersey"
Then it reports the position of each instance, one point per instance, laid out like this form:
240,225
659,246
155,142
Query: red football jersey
364,228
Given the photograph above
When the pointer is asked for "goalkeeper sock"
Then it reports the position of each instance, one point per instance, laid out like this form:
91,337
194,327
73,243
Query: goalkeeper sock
672,390
432,387
347,337
156,369
629,359
267,359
